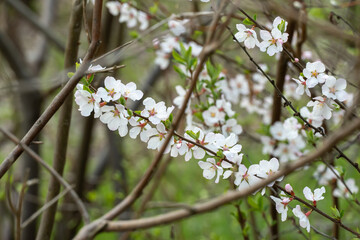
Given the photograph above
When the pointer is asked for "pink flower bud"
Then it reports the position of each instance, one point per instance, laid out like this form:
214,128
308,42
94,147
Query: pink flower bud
296,60
289,188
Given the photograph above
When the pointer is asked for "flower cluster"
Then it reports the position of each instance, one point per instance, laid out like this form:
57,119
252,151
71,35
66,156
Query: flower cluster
165,45
284,200
272,40
128,14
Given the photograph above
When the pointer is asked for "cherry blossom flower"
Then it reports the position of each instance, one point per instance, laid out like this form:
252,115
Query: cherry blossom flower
335,89
314,73
128,14
228,145
156,112
129,91
231,126
286,152
162,59
178,148
213,116
302,86
114,117
272,42
291,127
157,137
342,191
177,27
281,205
246,177
268,168
140,126
320,108
278,132
143,19
169,43
210,168
325,175
268,144
303,219
225,106
316,196
313,119
235,159
178,101
112,90
246,35
87,102
114,7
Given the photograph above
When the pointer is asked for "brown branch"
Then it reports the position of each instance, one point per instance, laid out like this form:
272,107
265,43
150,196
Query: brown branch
60,97
37,158
72,46
25,12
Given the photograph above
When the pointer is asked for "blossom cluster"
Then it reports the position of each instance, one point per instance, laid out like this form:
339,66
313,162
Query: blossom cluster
272,41
166,44
284,200
221,151
128,14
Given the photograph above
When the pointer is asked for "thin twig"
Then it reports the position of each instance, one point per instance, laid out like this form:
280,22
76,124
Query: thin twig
36,157
44,207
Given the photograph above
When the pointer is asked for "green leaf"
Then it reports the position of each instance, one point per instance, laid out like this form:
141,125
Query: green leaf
178,58
122,100
220,154
191,134
130,112
281,26
171,117
180,72
90,79
335,212
253,203
77,65
134,34
199,116
154,8
247,21
167,124
254,17
70,74
197,34
197,135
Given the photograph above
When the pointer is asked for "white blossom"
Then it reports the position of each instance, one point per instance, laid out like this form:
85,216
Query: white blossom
231,126
303,219
156,112
281,205
342,191
320,108
210,168
246,35
177,27
129,91
314,73
302,86
316,196
112,90
87,102
335,89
